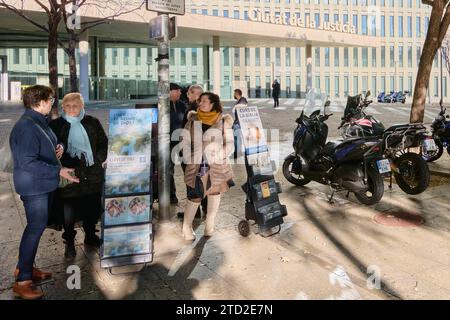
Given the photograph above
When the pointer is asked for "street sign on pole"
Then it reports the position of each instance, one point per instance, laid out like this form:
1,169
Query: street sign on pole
167,6
156,28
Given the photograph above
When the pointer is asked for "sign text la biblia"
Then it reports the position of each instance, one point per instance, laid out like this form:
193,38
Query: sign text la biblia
258,15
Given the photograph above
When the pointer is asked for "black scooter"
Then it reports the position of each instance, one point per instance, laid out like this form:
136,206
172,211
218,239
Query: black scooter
351,165
441,136
409,169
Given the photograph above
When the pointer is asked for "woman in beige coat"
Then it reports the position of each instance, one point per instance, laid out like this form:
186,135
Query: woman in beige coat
207,144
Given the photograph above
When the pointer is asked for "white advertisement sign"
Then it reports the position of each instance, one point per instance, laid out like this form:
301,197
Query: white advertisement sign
167,6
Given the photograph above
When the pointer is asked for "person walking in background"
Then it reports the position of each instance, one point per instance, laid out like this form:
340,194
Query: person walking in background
87,149
276,93
208,172
36,175
240,100
177,112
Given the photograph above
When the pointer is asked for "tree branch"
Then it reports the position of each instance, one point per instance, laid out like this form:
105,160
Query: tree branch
428,2
23,15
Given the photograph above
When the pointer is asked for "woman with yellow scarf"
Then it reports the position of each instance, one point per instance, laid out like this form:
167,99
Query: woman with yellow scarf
207,144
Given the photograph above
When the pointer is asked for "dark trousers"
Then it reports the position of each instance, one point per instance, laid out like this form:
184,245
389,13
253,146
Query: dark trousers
86,208
36,211
173,189
276,101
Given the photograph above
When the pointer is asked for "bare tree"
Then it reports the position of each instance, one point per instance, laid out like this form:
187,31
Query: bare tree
52,9
108,9
437,29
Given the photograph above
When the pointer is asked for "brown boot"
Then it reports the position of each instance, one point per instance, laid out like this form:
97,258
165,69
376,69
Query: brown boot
38,275
26,290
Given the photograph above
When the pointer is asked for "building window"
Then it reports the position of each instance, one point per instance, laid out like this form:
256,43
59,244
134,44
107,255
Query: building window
41,57
215,12
365,60
346,58
268,62
355,85
183,56
445,86
364,84
317,19
138,56
391,26
247,56
374,85
16,56
355,57
346,86
383,56
236,14
257,57
172,56
410,86
418,32
225,13
29,56
400,56
355,22
374,57
327,57
237,57
194,56
327,85
336,86
126,56
409,25
317,82
226,57
278,56
297,57
418,54
400,26
410,57
392,56
115,56
364,24
383,26
205,12
373,26
392,83
436,86
383,83
288,57
317,57
336,57
149,56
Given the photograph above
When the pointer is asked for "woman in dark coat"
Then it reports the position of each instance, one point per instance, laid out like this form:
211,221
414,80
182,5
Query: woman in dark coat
35,151
86,151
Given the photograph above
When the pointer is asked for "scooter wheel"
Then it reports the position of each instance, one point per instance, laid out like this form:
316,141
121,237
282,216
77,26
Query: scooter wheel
244,228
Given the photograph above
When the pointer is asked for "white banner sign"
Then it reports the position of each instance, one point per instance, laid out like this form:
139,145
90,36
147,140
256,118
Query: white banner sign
167,6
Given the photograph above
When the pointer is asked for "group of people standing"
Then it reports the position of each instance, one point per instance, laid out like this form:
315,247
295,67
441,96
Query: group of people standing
74,147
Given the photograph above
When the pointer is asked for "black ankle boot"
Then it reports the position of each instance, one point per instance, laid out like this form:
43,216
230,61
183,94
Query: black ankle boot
70,251
93,241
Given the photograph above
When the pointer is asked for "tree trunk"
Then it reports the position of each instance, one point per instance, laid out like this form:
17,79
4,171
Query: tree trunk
53,69
430,47
73,64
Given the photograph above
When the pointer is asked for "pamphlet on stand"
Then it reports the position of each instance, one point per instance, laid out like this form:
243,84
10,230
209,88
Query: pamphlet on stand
127,218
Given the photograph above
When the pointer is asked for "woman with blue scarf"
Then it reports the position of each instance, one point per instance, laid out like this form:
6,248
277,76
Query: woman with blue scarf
86,150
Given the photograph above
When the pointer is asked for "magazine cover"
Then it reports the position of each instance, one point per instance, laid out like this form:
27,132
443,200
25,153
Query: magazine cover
252,130
123,241
129,151
127,210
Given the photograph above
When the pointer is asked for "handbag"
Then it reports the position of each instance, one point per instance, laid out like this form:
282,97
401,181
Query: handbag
63,182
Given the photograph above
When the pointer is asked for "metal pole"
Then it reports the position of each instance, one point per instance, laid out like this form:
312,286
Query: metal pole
163,122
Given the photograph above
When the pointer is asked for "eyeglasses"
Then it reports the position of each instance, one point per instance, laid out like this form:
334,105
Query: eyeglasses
52,100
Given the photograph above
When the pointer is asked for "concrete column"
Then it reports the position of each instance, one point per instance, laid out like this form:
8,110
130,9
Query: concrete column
84,65
309,80
216,64
206,78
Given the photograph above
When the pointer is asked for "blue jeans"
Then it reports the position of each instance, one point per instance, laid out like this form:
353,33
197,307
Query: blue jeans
36,210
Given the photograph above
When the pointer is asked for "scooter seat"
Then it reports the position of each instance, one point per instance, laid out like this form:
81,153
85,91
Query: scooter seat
330,147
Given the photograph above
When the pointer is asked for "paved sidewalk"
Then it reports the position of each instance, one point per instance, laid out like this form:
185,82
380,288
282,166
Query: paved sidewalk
441,166
323,251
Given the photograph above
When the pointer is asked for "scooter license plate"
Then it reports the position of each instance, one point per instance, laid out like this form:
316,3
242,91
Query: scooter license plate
384,166
430,145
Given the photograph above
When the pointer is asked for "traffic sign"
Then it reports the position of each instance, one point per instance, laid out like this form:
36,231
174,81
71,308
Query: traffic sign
167,6
156,30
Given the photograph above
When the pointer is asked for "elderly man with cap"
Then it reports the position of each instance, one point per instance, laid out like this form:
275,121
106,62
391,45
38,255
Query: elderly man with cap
177,111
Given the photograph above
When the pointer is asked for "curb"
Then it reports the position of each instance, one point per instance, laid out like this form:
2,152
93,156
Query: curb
440,173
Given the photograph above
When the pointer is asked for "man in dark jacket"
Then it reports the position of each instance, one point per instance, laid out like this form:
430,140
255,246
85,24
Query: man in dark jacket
177,113
276,93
